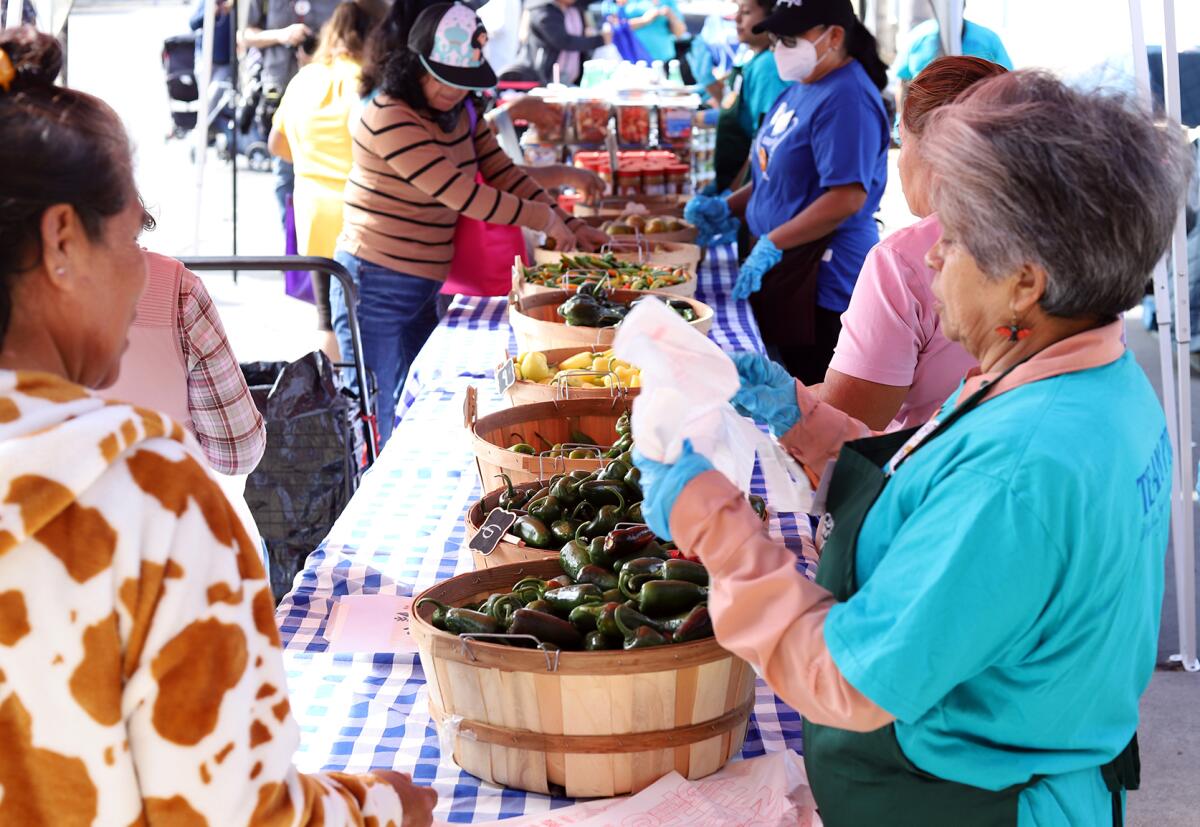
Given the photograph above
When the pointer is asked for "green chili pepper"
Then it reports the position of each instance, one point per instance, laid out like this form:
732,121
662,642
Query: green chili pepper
573,556
603,492
438,618
586,616
533,531
626,619
467,622
504,606
641,571
564,530
511,499
622,542
564,599
566,491
580,438
652,550
531,582
612,596
580,476
624,426
545,509
615,470
598,576
633,514
561,581
760,506
596,642
633,483
540,606
696,624
626,458
522,448
584,512
596,554
659,598
636,634
606,520
546,628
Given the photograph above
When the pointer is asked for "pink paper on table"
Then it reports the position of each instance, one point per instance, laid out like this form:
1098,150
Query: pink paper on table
370,623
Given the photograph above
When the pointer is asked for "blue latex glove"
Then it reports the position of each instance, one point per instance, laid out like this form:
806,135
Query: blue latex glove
710,215
662,484
762,258
768,392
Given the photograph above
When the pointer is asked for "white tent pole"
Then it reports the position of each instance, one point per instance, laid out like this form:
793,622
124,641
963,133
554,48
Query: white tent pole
204,78
1185,552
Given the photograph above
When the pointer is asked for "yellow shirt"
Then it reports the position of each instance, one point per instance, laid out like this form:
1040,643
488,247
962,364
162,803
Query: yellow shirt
314,116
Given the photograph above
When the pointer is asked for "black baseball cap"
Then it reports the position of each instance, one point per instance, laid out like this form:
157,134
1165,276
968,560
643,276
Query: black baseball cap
795,17
449,39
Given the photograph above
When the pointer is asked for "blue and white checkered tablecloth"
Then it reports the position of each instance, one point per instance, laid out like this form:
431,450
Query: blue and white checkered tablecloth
402,533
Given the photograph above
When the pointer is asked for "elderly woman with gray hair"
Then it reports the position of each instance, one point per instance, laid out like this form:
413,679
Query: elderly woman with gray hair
986,609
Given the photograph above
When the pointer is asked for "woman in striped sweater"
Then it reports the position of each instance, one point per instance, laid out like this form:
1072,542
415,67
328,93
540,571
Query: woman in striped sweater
423,156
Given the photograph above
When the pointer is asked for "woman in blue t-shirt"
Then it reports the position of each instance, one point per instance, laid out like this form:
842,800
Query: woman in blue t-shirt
818,167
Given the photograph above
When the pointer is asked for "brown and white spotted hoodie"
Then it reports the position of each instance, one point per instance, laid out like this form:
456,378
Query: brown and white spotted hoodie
141,680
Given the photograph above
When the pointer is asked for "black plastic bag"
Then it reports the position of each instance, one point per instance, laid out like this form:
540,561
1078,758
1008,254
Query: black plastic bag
310,468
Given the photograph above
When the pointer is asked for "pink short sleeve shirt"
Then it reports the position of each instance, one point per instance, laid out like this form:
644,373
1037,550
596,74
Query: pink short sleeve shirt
891,334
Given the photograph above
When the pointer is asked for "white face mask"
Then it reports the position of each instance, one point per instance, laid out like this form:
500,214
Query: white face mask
799,61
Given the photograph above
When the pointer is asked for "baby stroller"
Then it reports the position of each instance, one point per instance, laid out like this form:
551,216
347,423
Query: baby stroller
183,93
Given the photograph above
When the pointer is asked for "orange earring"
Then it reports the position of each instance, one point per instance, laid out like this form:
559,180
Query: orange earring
1013,332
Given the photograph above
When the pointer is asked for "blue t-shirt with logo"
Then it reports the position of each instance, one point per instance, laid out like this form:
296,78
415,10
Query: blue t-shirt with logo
820,135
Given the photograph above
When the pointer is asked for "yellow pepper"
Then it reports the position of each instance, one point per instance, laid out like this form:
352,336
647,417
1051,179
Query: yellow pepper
534,367
580,361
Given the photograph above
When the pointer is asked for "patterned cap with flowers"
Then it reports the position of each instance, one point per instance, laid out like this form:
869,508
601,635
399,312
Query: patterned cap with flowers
449,38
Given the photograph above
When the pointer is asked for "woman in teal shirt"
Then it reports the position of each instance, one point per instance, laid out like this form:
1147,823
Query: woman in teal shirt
985,616
655,23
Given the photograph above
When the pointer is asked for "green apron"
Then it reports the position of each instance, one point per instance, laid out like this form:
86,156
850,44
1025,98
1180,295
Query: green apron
864,778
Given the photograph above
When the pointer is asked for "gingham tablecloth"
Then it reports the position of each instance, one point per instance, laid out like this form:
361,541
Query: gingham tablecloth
402,532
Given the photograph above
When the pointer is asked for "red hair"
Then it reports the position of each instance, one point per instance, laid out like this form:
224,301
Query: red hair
940,83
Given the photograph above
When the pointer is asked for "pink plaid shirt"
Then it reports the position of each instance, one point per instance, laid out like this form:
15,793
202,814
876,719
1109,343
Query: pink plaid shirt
225,420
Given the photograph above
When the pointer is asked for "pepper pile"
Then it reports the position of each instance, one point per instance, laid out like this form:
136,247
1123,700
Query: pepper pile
533,367
580,505
619,590
574,271
592,307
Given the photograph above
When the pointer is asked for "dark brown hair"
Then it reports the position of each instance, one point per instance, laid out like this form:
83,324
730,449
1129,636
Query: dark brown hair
940,83
57,146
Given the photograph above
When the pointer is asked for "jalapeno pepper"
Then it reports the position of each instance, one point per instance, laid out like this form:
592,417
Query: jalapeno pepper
545,509
510,498
659,598
596,552
532,582
564,599
612,596
652,550
438,618
644,638
564,530
561,580
603,492
596,642
598,576
584,512
539,606
586,616
522,448
638,572
633,483
566,491
533,531
696,625
633,514
467,622
623,424
622,542
573,556
606,520
633,627
615,470
546,628
503,608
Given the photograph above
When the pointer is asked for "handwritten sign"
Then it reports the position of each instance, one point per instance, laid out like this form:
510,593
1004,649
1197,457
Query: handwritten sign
506,376
493,529
370,623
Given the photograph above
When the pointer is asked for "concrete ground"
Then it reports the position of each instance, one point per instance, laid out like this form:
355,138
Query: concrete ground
114,53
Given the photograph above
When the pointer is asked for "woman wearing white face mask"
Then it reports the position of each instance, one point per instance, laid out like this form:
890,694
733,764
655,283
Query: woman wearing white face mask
819,167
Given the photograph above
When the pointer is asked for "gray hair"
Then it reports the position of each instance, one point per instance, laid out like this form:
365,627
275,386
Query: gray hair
1085,184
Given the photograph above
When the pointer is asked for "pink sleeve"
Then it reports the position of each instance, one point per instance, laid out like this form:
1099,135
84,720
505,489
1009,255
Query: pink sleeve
763,609
881,330
821,431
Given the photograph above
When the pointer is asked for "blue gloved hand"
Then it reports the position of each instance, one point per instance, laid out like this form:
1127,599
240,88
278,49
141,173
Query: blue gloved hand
710,215
768,392
762,258
662,483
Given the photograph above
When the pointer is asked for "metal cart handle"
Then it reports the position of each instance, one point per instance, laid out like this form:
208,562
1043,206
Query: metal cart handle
320,265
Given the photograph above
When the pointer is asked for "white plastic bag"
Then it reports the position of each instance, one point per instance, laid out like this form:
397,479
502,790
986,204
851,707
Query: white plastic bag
687,382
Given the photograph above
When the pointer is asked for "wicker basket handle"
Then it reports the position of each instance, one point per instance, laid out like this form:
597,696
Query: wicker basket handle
471,408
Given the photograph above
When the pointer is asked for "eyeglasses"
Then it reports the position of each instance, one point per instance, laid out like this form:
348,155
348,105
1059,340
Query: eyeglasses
786,41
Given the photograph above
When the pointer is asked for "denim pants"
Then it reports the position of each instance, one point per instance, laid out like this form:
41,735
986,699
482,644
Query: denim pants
396,314
285,181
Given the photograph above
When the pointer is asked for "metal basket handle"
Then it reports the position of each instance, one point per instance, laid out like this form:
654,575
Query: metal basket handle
563,389
551,663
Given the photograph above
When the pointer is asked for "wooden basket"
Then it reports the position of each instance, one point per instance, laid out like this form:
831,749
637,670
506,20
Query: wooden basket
594,723
508,550
524,392
687,235
491,436
636,249
537,326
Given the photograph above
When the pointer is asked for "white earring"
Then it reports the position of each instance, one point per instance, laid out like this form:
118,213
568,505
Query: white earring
61,271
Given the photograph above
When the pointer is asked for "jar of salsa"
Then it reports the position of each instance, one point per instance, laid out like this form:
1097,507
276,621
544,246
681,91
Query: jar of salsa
654,179
629,182
591,121
678,179
633,124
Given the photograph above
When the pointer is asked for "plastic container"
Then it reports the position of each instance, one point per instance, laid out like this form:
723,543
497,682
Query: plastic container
629,181
678,179
674,124
654,180
633,124
591,121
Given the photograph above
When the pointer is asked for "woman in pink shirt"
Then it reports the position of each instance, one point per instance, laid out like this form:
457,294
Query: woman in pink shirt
892,367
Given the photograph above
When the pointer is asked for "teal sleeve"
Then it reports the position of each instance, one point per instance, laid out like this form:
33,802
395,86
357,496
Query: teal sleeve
966,577
1000,55
762,87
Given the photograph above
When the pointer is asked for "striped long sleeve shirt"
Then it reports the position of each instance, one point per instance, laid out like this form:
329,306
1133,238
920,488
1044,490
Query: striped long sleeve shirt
410,182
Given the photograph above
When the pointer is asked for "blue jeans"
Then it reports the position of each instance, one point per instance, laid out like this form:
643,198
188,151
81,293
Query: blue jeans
285,180
396,314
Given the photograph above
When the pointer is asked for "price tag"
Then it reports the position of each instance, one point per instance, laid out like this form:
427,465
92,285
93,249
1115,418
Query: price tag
506,376
370,623
493,529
